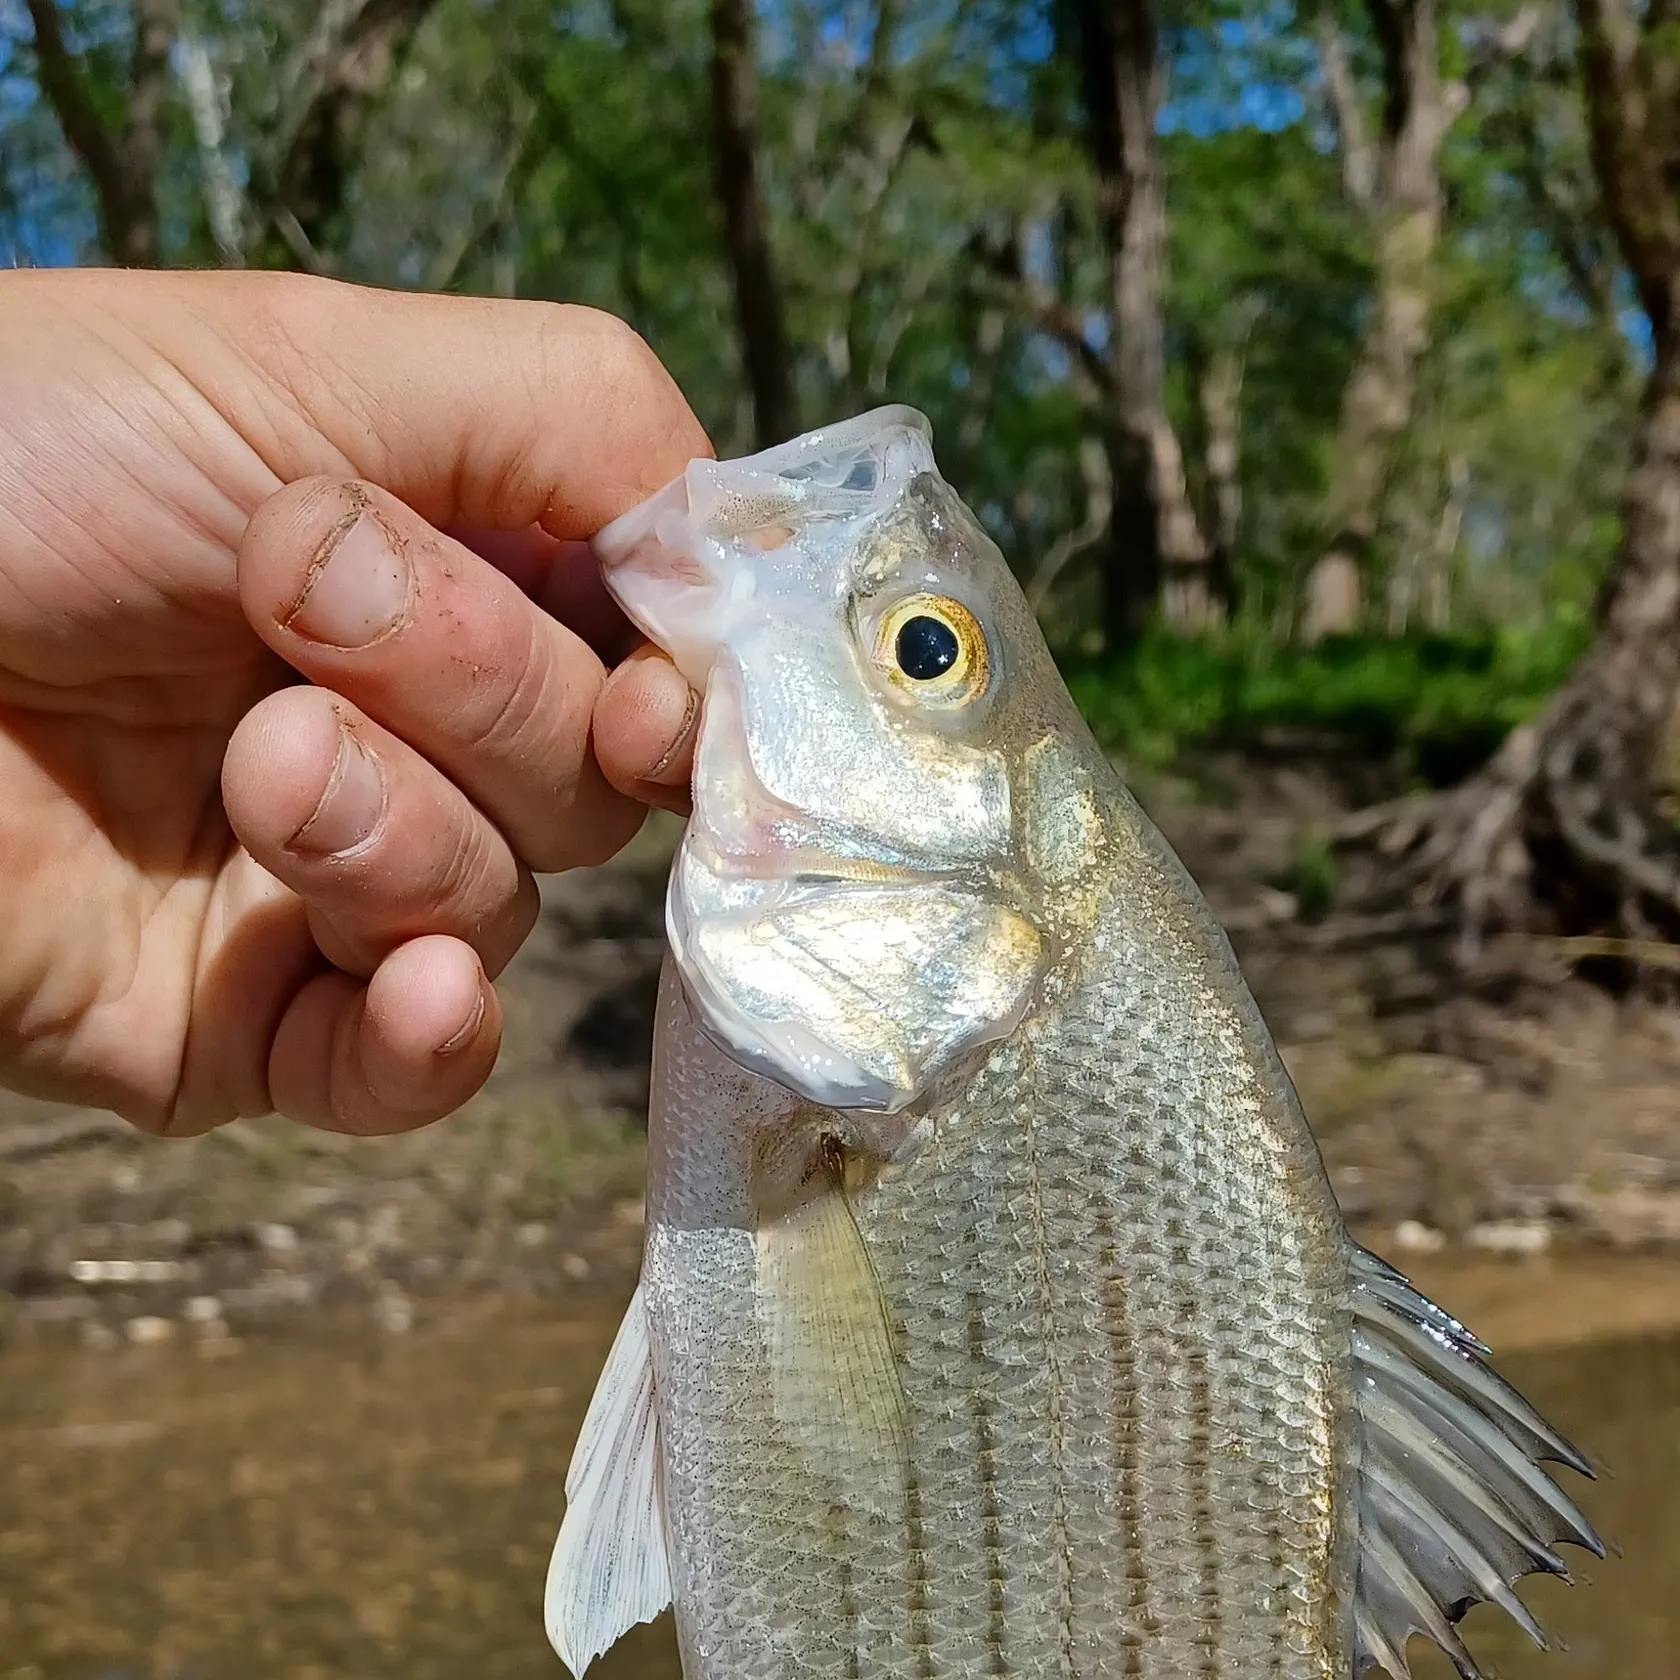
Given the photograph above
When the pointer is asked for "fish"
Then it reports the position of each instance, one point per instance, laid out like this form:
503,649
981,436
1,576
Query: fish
996,1316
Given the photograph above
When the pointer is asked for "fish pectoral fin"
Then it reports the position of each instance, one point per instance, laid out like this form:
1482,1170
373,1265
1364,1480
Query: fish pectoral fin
834,1371
1453,1505
611,1565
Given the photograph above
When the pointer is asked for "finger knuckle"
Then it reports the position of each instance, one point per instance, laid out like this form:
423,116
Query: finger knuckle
606,363
473,876
607,340
507,697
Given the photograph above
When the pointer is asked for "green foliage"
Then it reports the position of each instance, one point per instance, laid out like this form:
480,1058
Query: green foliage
1312,877
1282,273
1437,704
561,149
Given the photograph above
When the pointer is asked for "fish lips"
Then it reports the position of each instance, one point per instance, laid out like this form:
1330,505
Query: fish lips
685,564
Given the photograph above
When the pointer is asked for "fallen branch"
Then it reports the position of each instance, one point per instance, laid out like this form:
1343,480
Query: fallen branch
1584,947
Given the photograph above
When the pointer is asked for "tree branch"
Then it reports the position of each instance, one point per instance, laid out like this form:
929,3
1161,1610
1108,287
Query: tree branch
61,81
445,267
298,243
1359,156
339,68
155,26
1044,311
764,351
1051,316
1634,166
1573,227
1099,509
879,167
1498,43
224,202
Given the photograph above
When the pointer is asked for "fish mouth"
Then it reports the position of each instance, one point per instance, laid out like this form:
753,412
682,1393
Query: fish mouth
812,949
847,971
684,564
746,831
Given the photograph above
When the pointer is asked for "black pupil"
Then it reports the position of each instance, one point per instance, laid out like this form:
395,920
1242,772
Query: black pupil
926,648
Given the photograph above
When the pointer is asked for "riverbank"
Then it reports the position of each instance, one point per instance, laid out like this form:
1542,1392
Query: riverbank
1541,1121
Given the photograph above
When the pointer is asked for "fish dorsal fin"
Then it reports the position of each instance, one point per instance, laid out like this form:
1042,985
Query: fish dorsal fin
1453,1507
834,1376
611,1566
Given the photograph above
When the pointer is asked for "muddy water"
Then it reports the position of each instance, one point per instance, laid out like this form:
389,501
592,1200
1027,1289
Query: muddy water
354,1510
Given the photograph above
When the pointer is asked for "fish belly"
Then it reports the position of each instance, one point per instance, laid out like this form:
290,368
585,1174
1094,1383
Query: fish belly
1119,1301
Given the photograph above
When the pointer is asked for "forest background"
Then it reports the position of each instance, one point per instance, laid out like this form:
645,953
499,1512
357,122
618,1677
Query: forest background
1315,366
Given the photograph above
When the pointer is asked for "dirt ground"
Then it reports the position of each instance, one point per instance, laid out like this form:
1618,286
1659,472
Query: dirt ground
1539,1116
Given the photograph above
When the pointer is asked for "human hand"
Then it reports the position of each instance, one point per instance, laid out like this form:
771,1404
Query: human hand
224,891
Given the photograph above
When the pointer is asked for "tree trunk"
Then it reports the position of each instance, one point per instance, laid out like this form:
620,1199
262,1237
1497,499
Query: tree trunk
1156,547
758,306
1395,183
206,95
1420,583
1219,379
1631,71
340,70
121,164
1561,827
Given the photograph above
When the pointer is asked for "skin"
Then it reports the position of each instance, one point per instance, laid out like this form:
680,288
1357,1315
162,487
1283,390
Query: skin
302,677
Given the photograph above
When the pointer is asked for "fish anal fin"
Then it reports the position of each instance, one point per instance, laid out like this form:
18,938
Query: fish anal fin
611,1565
1453,1505
828,1335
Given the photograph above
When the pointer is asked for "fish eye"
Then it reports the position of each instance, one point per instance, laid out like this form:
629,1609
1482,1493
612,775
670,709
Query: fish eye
926,647
933,647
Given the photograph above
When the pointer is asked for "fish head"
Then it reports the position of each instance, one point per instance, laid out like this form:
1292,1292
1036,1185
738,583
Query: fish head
882,767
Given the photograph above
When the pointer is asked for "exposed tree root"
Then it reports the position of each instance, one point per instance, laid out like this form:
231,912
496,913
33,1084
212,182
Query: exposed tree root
1558,835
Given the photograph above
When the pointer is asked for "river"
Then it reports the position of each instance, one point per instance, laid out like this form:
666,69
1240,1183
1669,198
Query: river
344,1508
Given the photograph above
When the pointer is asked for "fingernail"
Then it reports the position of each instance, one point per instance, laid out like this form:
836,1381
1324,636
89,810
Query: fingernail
350,809
467,1032
357,589
673,768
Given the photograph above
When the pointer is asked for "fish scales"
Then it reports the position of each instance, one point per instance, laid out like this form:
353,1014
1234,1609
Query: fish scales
1072,1424
996,1315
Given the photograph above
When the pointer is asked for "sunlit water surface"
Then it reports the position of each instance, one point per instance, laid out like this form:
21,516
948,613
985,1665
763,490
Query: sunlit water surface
327,1509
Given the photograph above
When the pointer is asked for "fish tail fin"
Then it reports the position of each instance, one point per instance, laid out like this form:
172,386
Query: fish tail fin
611,1565
1453,1505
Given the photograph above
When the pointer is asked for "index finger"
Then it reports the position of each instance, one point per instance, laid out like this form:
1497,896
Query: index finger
479,411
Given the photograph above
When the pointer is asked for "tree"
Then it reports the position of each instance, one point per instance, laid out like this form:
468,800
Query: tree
1156,545
757,299
337,70
1141,405
121,158
1394,182
1562,827
1152,552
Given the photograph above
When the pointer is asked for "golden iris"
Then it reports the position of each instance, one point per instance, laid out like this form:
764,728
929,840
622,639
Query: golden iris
933,647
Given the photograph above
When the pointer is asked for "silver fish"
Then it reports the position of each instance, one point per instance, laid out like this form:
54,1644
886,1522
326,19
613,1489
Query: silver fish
996,1316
